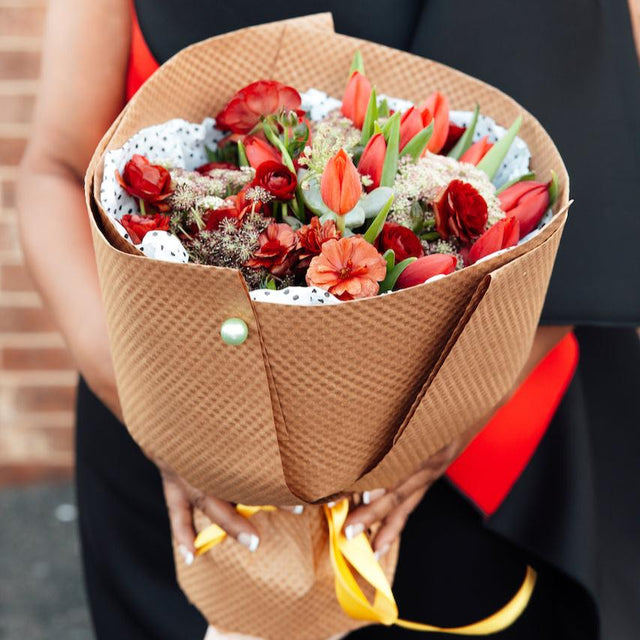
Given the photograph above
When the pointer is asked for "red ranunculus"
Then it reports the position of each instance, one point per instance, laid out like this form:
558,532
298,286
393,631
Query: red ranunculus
263,98
138,226
503,234
259,151
527,201
460,211
312,236
356,98
402,240
149,182
279,181
372,160
276,250
424,268
211,166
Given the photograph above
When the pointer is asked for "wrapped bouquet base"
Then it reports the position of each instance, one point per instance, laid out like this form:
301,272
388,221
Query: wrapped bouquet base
306,409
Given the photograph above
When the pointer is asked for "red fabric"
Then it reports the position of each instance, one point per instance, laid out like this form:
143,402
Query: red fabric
489,467
141,61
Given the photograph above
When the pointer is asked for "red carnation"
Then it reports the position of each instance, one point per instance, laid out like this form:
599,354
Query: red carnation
404,243
263,98
138,226
275,178
312,236
460,211
275,252
149,182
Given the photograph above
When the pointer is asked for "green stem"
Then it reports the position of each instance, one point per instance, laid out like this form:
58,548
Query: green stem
143,208
340,224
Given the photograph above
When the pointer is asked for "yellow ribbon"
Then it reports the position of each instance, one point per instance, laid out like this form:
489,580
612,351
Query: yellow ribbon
355,557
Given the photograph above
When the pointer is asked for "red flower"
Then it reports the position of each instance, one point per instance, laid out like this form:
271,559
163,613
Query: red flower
276,179
527,201
403,241
356,99
413,121
213,218
453,135
438,105
149,182
211,166
312,236
476,151
504,233
460,211
424,268
138,226
372,160
263,98
340,184
275,253
259,151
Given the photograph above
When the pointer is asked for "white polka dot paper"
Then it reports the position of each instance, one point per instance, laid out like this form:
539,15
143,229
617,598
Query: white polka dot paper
300,296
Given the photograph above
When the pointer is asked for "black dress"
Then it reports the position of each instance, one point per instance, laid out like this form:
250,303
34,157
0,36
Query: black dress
574,513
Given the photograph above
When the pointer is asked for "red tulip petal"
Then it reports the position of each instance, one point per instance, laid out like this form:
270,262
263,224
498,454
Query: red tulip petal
476,151
505,233
424,268
438,105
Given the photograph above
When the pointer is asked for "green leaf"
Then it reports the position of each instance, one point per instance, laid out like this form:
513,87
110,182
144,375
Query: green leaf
270,283
313,197
392,276
525,176
390,258
376,127
383,109
370,117
418,143
467,137
430,236
357,63
390,166
494,157
378,222
242,155
375,200
386,127
274,139
553,188
294,223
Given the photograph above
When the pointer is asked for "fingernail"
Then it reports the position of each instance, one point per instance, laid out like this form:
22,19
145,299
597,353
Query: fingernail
298,509
382,552
353,530
187,555
249,540
331,504
369,496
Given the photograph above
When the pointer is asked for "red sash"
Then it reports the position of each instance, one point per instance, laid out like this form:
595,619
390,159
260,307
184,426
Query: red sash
491,464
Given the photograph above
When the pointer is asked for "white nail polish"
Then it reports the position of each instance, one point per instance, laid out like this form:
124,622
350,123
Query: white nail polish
369,496
382,552
249,540
331,504
298,509
353,530
187,555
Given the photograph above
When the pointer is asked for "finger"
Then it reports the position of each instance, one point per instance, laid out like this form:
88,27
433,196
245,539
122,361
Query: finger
180,516
227,518
371,496
296,509
394,524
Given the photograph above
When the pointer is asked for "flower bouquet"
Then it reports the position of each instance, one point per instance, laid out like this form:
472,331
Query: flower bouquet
308,296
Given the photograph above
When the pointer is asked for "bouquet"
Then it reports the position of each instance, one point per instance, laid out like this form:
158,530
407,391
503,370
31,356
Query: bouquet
308,296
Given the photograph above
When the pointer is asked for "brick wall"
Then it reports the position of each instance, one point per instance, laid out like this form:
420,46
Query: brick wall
36,376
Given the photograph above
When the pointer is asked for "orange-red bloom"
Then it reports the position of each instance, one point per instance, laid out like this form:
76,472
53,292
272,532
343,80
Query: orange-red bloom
476,151
262,98
340,184
372,160
438,105
312,236
401,240
348,268
259,151
139,226
149,182
527,201
275,253
356,98
413,121
460,211
504,233
424,268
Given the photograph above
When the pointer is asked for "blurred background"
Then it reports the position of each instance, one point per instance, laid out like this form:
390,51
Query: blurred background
41,593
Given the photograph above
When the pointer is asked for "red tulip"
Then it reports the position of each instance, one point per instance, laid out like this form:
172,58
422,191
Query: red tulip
453,135
438,105
340,184
460,211
413,121
503,234
138,226
259,151
372,160
149,182
265,97
356,98
527,201
476,151
401,239
424,268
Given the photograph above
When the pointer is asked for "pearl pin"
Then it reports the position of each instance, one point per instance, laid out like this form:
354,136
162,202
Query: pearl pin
234,331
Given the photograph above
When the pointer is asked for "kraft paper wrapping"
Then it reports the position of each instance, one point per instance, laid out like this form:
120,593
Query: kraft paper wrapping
317,401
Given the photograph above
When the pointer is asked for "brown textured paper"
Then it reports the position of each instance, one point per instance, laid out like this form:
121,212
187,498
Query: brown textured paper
318,400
